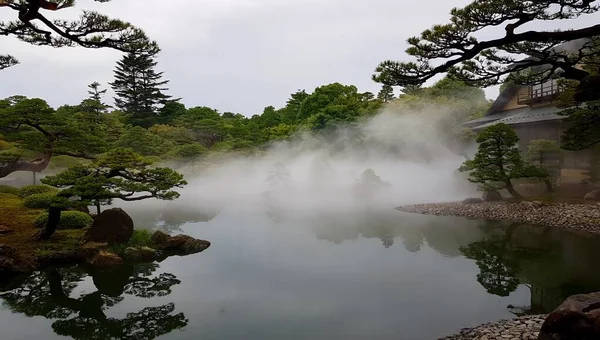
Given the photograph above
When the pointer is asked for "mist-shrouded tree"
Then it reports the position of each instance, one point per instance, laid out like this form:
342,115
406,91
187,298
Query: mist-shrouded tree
386,94
498,161
278,176
139,88
90,30
529,56
119,174
546,154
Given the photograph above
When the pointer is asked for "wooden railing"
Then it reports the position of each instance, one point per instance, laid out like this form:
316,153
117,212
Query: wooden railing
539,94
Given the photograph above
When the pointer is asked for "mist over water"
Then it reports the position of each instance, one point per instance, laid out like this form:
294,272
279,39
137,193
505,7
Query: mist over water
320,173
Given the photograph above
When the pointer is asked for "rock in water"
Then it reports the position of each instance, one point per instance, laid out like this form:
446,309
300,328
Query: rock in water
578,317
140,254
492,196
105,259
592,196
111,226
180,244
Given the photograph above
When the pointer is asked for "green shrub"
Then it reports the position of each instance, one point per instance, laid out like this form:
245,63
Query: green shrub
68,220
36,189
39,201
139,238
7,189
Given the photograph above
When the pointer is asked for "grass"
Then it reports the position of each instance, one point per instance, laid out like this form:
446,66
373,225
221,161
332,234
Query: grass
14,215
139,238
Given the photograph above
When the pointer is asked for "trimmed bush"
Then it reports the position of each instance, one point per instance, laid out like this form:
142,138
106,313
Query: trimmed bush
68,220
39,201
36,189
7,189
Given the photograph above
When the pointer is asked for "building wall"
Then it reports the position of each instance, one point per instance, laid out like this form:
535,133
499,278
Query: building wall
574,163
513,102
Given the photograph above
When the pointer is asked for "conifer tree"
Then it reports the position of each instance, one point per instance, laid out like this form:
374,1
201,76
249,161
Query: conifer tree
139,87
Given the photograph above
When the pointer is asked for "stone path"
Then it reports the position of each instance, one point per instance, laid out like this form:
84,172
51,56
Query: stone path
584,217
523,328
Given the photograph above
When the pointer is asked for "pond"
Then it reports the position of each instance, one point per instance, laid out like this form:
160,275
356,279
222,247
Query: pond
372,274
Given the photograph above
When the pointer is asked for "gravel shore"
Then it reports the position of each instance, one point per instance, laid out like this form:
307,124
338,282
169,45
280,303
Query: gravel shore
583,217
523,328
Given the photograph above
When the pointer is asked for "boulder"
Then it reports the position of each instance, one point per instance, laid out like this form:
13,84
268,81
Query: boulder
192,246
492,196
592,196
105,259
180,244
159,237
112,226
91,249
140,254
472,200
578,317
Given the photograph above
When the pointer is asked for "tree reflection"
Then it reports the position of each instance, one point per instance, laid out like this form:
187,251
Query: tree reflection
49,294
497,263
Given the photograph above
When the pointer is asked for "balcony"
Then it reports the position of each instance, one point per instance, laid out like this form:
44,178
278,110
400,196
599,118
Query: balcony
540,94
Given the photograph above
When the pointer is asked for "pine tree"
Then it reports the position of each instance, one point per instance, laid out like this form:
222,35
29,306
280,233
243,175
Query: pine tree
94,104
386,94
498,161
139,87
95,92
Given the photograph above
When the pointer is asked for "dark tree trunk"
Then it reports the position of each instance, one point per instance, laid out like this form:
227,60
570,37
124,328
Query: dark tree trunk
549,187
511,190
52,224
97,208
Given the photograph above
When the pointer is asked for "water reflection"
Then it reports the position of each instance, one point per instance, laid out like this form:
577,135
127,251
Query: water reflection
51,294
552,264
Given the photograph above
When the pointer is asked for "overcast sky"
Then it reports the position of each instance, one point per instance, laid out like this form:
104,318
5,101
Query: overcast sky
235,55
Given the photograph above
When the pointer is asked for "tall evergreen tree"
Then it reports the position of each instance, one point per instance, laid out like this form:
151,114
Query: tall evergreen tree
94,104
139,87
386,93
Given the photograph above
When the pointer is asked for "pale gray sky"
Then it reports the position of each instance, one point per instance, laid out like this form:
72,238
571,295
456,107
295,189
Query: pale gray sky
235,55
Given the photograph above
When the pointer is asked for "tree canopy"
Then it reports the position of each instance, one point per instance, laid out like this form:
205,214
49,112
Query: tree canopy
529,56
91,30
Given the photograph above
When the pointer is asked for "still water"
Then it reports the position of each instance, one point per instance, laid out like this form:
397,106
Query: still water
364,275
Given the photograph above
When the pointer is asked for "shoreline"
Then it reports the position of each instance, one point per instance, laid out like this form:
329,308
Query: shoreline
579,217
520,328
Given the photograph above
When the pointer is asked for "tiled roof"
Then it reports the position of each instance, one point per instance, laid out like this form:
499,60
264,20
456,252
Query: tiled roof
518,116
